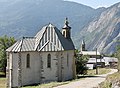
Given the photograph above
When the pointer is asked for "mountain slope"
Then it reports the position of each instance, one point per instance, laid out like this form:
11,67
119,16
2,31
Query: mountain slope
100,27
104,32
24,17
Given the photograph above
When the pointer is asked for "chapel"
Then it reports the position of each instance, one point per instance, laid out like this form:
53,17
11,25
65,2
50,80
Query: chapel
46,57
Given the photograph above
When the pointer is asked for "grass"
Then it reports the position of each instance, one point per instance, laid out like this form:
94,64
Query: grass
54,84
2,73
2,82
110,79
100,71
48,85
45,85
114,76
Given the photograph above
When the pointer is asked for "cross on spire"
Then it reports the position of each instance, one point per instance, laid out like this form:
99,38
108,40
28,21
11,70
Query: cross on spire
66,21
66,24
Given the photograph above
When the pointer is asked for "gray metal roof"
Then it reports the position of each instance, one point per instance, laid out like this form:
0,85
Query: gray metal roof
93,60
66,43
110,59
49,38
25,44
89,53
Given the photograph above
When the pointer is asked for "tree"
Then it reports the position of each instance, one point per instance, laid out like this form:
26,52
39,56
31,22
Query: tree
5,42
81,63
117,54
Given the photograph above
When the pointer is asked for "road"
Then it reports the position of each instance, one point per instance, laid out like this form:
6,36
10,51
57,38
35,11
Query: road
90,82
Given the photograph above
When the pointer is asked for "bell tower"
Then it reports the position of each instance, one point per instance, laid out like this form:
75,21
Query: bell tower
66,30
83,45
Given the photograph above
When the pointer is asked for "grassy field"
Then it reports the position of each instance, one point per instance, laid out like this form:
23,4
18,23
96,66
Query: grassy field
53,84
2,82
100,71
48,85
110,78
1,73
114,76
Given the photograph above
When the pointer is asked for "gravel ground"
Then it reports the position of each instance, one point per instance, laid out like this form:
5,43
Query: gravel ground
90,82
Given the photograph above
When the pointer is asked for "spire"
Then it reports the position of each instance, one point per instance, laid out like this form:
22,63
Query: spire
83,42
83,45
66,24
66,21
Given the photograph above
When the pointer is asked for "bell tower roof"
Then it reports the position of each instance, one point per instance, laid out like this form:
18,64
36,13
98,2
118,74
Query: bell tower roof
66,32
83,42
83,45
66,24
66,21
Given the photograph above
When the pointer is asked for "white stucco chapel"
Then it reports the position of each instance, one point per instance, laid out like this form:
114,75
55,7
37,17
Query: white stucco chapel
46,57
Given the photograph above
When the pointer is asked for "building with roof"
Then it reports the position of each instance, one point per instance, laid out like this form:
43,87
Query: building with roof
46,57
90,54
91,64
83,46
111,62
94,57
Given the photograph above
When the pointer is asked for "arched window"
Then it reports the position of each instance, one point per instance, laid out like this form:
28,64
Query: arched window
28,61
49,61
64,34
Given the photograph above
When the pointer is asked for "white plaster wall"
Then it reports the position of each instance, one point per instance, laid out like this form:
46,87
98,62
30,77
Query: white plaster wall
9,67
34,74
49,74
68,68
31,75
10,61
14,67
65,72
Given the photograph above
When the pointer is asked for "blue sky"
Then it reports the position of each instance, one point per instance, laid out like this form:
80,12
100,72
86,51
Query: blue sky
97,3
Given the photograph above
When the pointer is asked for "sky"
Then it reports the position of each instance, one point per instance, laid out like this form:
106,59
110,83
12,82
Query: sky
97,3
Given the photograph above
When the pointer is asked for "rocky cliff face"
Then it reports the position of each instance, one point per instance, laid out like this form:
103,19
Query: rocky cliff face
104,31
100,27
24,17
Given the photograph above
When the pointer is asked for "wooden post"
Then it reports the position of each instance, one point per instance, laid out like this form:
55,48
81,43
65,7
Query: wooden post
96,63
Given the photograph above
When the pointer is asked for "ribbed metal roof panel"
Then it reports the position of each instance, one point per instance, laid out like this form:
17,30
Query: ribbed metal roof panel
28,44
89,53
39,36
25,44
49,38
57,42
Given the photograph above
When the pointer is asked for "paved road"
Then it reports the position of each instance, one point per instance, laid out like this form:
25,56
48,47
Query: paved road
90,82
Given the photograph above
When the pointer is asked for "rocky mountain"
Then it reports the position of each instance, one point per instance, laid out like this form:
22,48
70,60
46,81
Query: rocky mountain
25,17
103,32
100,27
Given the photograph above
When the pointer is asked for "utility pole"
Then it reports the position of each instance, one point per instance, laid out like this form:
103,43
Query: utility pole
96,63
